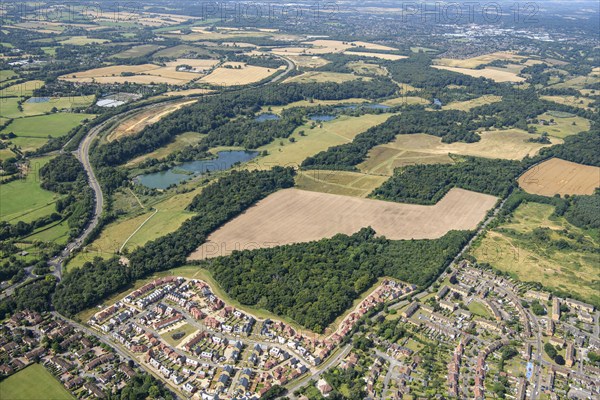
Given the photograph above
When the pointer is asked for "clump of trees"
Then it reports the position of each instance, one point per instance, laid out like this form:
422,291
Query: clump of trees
312,283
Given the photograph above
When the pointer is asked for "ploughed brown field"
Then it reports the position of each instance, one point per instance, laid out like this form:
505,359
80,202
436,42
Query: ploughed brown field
296,216
557,176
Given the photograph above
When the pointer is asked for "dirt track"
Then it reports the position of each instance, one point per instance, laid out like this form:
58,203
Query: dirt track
295,216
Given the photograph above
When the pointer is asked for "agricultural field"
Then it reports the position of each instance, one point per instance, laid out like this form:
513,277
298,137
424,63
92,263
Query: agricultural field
143,74
495,74
38,106
557,176
188,92
562,125
381,56
22,89
33,132
474,62
34,382
24,199
325,46
469,104
138,51
316,216
235,74
339,182
421,148
312,103
140,120
82,41
180,51
322,136
7,74
510,248
403,100
317,76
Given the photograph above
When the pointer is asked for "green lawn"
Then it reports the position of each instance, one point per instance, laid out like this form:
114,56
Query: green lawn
9,105
33,383
478,308
24,199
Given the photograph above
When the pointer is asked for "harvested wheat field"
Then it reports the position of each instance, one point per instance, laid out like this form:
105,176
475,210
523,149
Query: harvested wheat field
235,73
139,121
557,176
497,75
142,74
297,216
479,60
382,56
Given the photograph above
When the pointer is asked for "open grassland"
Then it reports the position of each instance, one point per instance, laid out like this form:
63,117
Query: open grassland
6,153
82,41
362,67
405,100
495,74
24,199
580,102
469,104
317,76
576,83
557,176
7,74
181,141
316,216
235,74
58,233
33,132
326,46
180,51
9,106
478,308
21,89
308,61
138,51
188,92
421,148
60,103
510,249
341,130
339,182
140,120
479,60
563,126
136,229
313,103
33,383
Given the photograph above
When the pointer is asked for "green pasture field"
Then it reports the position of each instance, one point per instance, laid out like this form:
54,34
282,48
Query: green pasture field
33,383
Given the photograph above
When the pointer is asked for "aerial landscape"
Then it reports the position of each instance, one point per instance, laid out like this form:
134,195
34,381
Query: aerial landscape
307,200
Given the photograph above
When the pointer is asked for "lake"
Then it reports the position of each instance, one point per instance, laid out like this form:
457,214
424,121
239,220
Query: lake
180,173
267,117
322,118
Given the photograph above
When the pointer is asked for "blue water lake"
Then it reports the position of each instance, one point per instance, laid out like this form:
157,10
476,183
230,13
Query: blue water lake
322,118
38,100
267,117
180,173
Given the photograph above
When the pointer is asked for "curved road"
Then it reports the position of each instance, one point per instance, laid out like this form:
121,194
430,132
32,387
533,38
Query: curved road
83,155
